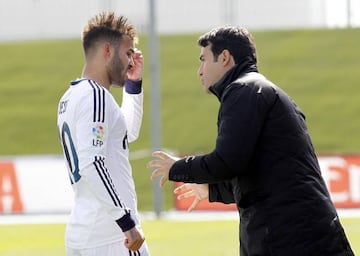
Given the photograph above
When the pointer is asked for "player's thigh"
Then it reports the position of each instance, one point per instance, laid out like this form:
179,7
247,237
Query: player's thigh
143,251
105,250
72,252
109,250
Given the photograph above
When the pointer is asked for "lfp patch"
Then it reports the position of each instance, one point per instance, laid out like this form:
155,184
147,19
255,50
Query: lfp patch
98,132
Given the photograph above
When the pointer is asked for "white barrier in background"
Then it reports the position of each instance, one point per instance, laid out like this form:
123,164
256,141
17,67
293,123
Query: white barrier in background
40,184
34,185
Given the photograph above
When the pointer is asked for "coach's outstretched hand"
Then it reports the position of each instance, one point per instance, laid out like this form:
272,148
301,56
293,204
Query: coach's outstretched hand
162,166
134,239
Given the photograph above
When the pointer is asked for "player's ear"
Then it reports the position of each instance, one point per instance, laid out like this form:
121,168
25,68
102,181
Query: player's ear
107,50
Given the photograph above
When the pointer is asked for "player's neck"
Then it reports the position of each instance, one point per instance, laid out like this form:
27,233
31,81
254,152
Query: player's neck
96,75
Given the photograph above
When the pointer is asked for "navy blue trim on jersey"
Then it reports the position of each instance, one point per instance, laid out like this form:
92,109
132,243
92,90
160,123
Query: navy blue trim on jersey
75,82
106,179
99,102
137,253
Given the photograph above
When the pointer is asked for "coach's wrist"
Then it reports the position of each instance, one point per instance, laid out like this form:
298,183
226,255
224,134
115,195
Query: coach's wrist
126,222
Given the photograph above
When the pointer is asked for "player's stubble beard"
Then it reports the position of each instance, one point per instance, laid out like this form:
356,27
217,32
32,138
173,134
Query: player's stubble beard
117,71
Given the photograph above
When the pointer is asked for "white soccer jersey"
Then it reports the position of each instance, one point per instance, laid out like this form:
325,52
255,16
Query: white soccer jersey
95,133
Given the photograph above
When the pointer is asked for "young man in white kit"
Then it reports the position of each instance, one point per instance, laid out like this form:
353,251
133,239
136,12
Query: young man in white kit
95,133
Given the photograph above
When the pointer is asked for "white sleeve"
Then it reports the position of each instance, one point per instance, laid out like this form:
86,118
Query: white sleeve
92,123
132,109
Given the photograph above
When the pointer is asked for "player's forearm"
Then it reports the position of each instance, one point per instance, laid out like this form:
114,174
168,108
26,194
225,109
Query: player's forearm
132,108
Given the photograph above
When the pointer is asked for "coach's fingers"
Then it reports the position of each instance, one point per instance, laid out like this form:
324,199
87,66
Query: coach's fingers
156,173
160,154
182,188
186,195
163,180
155,163
194,204
160,173
184,192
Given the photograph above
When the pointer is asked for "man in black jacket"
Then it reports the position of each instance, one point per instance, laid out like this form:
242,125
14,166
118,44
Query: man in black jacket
263,160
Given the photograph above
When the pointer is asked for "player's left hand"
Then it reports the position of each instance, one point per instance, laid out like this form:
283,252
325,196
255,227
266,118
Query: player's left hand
162,165
137,66
134,239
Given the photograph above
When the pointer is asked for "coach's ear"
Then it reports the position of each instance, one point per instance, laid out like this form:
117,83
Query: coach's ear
225,58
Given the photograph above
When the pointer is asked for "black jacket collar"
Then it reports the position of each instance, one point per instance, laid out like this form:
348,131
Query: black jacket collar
230,76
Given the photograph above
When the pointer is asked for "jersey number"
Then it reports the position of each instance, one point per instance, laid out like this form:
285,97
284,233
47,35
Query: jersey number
70,153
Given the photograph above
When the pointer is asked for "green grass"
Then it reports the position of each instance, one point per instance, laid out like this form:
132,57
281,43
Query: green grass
164,237
318,68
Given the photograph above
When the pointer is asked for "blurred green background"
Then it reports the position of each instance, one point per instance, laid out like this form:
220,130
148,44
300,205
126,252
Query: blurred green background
318,68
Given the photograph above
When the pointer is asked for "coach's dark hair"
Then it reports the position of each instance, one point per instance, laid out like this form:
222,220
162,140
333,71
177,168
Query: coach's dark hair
237,40
107,26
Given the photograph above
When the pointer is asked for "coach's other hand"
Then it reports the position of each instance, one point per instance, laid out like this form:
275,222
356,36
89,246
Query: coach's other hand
198,191
162,165
134,239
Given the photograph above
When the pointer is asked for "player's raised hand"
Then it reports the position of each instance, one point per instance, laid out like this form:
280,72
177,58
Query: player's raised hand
162,165
134,239
198,191
137,66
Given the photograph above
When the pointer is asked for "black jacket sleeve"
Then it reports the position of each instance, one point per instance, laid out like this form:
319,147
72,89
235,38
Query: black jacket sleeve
241,118
221,192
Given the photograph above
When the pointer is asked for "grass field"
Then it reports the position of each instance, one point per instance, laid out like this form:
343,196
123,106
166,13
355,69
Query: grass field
164,237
